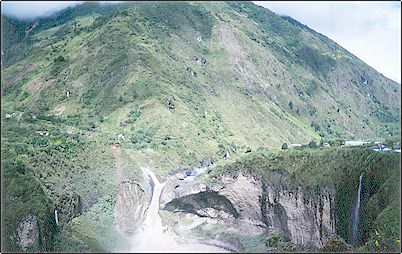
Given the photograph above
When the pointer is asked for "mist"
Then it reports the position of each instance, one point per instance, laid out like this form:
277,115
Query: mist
29,10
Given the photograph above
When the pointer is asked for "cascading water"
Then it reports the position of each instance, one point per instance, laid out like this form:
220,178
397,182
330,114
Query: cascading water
154,236
356,214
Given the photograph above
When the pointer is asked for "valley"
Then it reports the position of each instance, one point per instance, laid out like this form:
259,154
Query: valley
193,127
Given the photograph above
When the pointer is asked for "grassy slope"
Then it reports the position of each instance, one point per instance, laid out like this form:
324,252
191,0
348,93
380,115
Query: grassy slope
239,99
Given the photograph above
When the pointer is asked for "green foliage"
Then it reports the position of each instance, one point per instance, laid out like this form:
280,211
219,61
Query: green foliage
140,138
312,144
21,163
132,117
112,58
38,171
312,88
59,63
336,142
119,59
277,242
162,18
386,235
96,226
318,62
336,244
290,105
22,195
315,126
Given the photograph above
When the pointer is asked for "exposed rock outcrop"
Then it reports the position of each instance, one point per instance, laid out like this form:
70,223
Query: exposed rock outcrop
244,193
204,204
303,221
200,60
176,188
28,233
131,205
190,70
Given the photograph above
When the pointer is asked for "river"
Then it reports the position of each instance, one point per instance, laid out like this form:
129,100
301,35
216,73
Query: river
155,237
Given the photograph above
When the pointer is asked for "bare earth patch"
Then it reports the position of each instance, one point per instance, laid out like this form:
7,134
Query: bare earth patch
37,84
17,76
58,110
115,149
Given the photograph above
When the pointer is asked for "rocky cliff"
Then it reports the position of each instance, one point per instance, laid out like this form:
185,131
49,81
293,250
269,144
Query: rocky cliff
303,221
175,83
131,205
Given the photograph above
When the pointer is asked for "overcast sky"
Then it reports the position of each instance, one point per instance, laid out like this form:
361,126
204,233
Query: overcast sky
369,30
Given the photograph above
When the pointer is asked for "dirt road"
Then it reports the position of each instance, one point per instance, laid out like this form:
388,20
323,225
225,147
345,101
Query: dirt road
115,149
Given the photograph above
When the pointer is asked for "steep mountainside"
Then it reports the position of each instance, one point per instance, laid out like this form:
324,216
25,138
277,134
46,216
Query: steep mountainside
231,74
91,94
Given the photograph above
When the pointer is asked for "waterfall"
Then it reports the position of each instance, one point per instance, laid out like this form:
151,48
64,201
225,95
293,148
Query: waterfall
155,237
356,215
56,217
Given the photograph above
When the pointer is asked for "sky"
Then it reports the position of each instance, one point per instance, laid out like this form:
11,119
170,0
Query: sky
369,30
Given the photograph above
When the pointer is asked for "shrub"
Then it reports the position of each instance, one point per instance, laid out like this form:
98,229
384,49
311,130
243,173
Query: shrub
336,142
316,126
59,63
21,163
140,137
336,244
290,105
312,144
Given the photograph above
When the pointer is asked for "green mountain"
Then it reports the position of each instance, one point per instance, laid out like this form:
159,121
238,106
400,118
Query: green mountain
175,85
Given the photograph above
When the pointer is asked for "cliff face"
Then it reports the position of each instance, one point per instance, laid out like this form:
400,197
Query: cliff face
305,222
175,84
131,205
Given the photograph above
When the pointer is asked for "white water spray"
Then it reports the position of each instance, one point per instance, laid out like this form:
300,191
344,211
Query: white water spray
56,217
154,237
356,215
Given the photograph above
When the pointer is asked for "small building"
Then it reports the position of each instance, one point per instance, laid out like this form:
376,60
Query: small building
295,145
326,145
189,173
356,143
381,148
42,133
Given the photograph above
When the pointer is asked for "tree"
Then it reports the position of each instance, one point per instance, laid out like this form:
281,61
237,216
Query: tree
21,163
284,146
322,141
336,244
59,59
290,105
312,144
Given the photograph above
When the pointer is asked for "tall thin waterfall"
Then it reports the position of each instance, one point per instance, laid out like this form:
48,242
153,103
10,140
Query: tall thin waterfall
356,217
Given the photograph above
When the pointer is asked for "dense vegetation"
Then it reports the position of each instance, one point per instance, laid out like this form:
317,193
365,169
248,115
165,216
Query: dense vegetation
176,85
